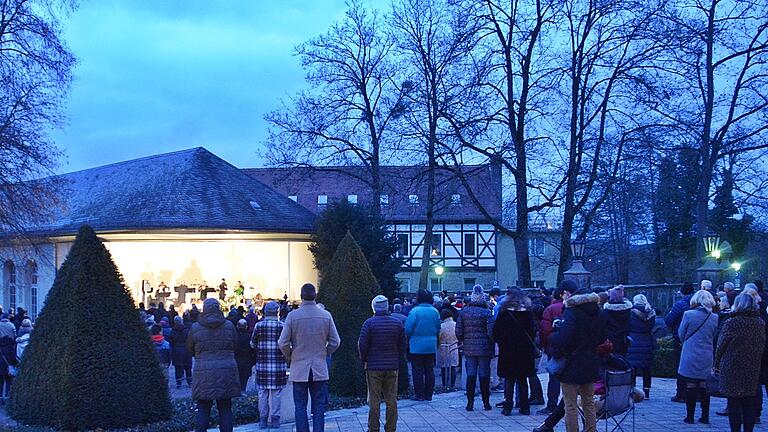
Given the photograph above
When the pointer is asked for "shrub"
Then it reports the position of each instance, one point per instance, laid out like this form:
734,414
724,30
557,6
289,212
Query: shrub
348,287
664,364
90,362
378,245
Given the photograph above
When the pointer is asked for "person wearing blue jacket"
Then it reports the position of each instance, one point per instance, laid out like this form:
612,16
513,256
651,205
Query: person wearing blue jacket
672,321
422,329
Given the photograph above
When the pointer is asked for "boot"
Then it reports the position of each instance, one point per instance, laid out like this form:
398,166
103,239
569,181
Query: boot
485,391
274,422
507,410
704,398
690,405
263,423
471,381
647,392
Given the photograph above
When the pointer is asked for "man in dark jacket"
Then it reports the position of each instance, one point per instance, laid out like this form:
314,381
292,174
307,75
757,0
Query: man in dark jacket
381,344
180,356
553,312
576,340
672,320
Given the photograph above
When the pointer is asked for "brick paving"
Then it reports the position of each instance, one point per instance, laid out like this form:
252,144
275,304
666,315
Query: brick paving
445,413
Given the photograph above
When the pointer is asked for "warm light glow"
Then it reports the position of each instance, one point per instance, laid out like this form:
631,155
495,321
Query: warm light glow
439,270
716,254
736,266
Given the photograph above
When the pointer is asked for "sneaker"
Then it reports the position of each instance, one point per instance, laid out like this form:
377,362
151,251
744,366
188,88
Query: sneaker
544,411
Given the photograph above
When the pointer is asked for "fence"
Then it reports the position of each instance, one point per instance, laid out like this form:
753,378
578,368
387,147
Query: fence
660,296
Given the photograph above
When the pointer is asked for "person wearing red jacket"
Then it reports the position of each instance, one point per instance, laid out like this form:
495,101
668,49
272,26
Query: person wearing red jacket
551,313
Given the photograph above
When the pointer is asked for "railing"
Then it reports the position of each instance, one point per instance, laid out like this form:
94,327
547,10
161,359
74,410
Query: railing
660,296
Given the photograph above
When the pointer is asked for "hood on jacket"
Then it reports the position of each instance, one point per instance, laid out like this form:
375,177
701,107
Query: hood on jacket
580,299
643,313
211,317
618,307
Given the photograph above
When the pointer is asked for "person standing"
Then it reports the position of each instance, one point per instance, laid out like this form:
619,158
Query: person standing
640,354
422,329
180,355
448,353
474,331
697,334
222,290
25,331
212,341
617,314
739,348
576,340
162,350
243,354
308,338
271,376
514,332
381,345
551,313
672,321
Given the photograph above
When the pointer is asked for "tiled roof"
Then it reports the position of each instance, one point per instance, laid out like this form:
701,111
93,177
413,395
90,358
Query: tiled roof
399,183
188,189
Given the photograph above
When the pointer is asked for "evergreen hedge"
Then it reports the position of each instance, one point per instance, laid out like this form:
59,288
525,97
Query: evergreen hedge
347,288
90,362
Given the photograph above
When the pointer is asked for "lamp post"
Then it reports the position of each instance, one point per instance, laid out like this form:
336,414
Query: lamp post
737,277
439,270
710,269
577,272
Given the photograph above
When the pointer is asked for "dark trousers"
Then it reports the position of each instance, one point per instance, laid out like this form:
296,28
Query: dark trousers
204,415
181,370
558,412
509,391
681,387
534,383
5,385
741,411
318,391
422,369
646,373
553,392
244,373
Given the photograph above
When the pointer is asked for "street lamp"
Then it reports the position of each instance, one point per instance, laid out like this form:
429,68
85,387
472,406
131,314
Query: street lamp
577,272
577,249
711,243
737,277
736,266
710,269
439,270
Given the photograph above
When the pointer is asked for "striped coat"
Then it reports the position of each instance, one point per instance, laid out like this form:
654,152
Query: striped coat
270,362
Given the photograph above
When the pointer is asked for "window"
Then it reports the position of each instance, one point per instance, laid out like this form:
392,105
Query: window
435,284
456,199
402,239
413,199
405,284
255,205
352,199
32,269
536,247
469,283
384,199
469,245
9,274
437,245
294,198
322,200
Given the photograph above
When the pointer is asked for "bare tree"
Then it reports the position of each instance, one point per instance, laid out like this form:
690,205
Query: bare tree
35,75
719,84
346,115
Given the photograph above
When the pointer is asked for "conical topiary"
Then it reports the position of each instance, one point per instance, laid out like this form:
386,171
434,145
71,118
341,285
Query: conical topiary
90,362
347,288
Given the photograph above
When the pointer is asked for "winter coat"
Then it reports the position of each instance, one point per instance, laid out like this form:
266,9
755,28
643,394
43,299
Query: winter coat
675,315
474,330
514,332
7,353
577,338
641,322
212,341
422,328
382,342
243,352
616,317
739,350
162,350
550,314
448,351
308,338
21,344
7,329
271,366
698,345
180,355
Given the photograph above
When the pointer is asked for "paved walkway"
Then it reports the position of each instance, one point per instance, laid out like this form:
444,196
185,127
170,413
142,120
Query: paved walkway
445,413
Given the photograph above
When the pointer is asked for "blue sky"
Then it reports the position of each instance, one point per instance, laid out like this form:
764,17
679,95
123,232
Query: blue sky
163,75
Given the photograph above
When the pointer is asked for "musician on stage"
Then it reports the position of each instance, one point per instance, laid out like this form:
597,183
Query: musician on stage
222,290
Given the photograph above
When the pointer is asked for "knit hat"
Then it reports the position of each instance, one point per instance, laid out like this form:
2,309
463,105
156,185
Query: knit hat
568,285
241,324
271,308
477,296
26,322
616,294
380,304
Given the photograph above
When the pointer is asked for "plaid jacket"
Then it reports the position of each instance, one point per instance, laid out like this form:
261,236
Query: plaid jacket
270,363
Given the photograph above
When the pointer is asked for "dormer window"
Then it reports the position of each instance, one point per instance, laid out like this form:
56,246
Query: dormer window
294,198
413,199
255,205
456,199
322,200
384,199
352,199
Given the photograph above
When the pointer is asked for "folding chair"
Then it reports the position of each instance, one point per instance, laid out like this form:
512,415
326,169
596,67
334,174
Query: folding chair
618,403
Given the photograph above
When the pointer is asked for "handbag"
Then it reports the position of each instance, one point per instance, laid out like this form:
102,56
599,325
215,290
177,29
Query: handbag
556,366
713,384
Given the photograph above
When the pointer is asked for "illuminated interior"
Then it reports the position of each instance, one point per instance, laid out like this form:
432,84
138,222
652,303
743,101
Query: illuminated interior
272,268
